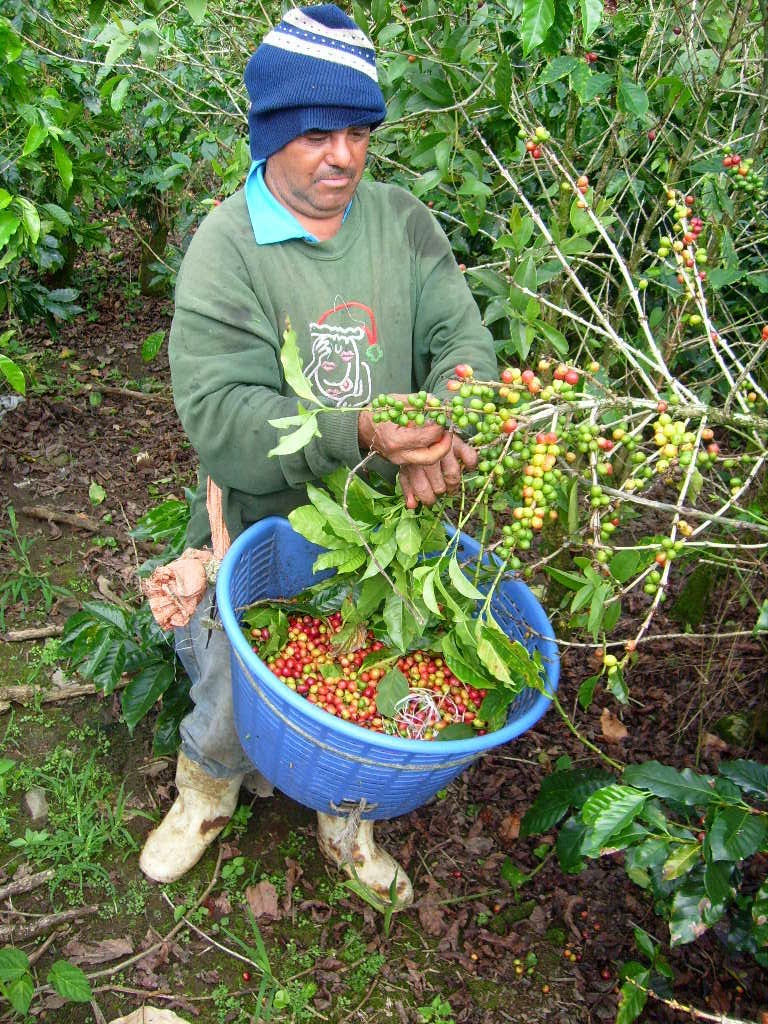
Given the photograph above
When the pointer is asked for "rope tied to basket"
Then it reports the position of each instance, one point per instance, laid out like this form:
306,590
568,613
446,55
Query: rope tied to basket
175,590
348,836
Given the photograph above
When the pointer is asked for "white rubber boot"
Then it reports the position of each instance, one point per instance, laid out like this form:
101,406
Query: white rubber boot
201,810
358,855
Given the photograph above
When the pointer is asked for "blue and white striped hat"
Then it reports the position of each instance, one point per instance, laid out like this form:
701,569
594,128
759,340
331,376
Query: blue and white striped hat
314,70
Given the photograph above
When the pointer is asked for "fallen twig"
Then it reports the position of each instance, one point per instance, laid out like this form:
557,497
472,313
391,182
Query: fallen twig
26,694
35,955
209,938
97,1014
18,636
117,968
80,521
141,396
252,963
52,515
26,884
362,1002
144,993
692,1011
15,934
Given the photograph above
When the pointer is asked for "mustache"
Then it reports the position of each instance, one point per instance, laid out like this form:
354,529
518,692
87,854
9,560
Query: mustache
333,173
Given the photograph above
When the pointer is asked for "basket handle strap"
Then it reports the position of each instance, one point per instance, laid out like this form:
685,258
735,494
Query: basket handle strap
219,534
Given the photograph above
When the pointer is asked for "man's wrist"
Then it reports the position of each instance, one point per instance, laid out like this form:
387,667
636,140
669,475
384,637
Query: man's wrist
365,430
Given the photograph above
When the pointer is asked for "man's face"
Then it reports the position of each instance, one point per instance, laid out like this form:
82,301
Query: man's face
316,175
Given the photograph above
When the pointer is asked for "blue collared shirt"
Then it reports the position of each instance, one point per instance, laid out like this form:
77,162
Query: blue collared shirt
270,220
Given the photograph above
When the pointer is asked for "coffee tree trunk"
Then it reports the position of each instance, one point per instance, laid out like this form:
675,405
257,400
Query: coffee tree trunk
153,250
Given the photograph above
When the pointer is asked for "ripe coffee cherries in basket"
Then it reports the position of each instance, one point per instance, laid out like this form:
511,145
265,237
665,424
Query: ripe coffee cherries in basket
414,695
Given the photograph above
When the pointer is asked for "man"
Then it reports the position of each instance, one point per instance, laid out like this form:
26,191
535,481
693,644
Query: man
367,281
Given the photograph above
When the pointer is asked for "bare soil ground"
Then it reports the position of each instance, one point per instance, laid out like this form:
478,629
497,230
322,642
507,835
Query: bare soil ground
96,413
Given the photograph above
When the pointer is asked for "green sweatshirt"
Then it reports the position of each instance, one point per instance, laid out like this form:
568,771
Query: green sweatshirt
380,307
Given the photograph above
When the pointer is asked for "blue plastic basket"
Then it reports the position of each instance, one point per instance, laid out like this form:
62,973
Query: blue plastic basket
324,762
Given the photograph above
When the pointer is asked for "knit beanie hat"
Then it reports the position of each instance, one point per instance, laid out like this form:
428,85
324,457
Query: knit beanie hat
314,70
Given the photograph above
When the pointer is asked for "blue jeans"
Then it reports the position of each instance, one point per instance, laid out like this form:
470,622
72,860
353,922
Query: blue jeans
208,734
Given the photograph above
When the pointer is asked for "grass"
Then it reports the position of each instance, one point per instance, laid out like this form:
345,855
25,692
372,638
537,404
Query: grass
23,584
86,818
437,1012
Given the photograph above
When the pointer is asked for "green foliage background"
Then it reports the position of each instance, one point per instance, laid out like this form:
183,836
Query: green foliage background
139,109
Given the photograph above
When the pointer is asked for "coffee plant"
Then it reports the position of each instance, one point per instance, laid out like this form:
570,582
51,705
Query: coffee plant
52,170
694,842
568,465
562,454
103,642
17,984
11,374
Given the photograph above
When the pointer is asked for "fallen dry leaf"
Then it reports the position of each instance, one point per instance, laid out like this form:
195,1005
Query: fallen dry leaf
262,899
158,956
149,1015
293,873
613,730
712,742
509,829
450,940
431,916
478,846
719,998
154,767
146,978
320,912
82,953
53,1002
538,921
218,906
105,589
58,679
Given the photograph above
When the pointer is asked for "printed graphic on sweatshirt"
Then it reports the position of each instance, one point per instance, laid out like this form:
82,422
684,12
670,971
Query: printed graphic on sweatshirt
344,344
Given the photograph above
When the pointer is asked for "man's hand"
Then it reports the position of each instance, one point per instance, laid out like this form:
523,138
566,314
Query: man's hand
426,483
431,459
413,446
